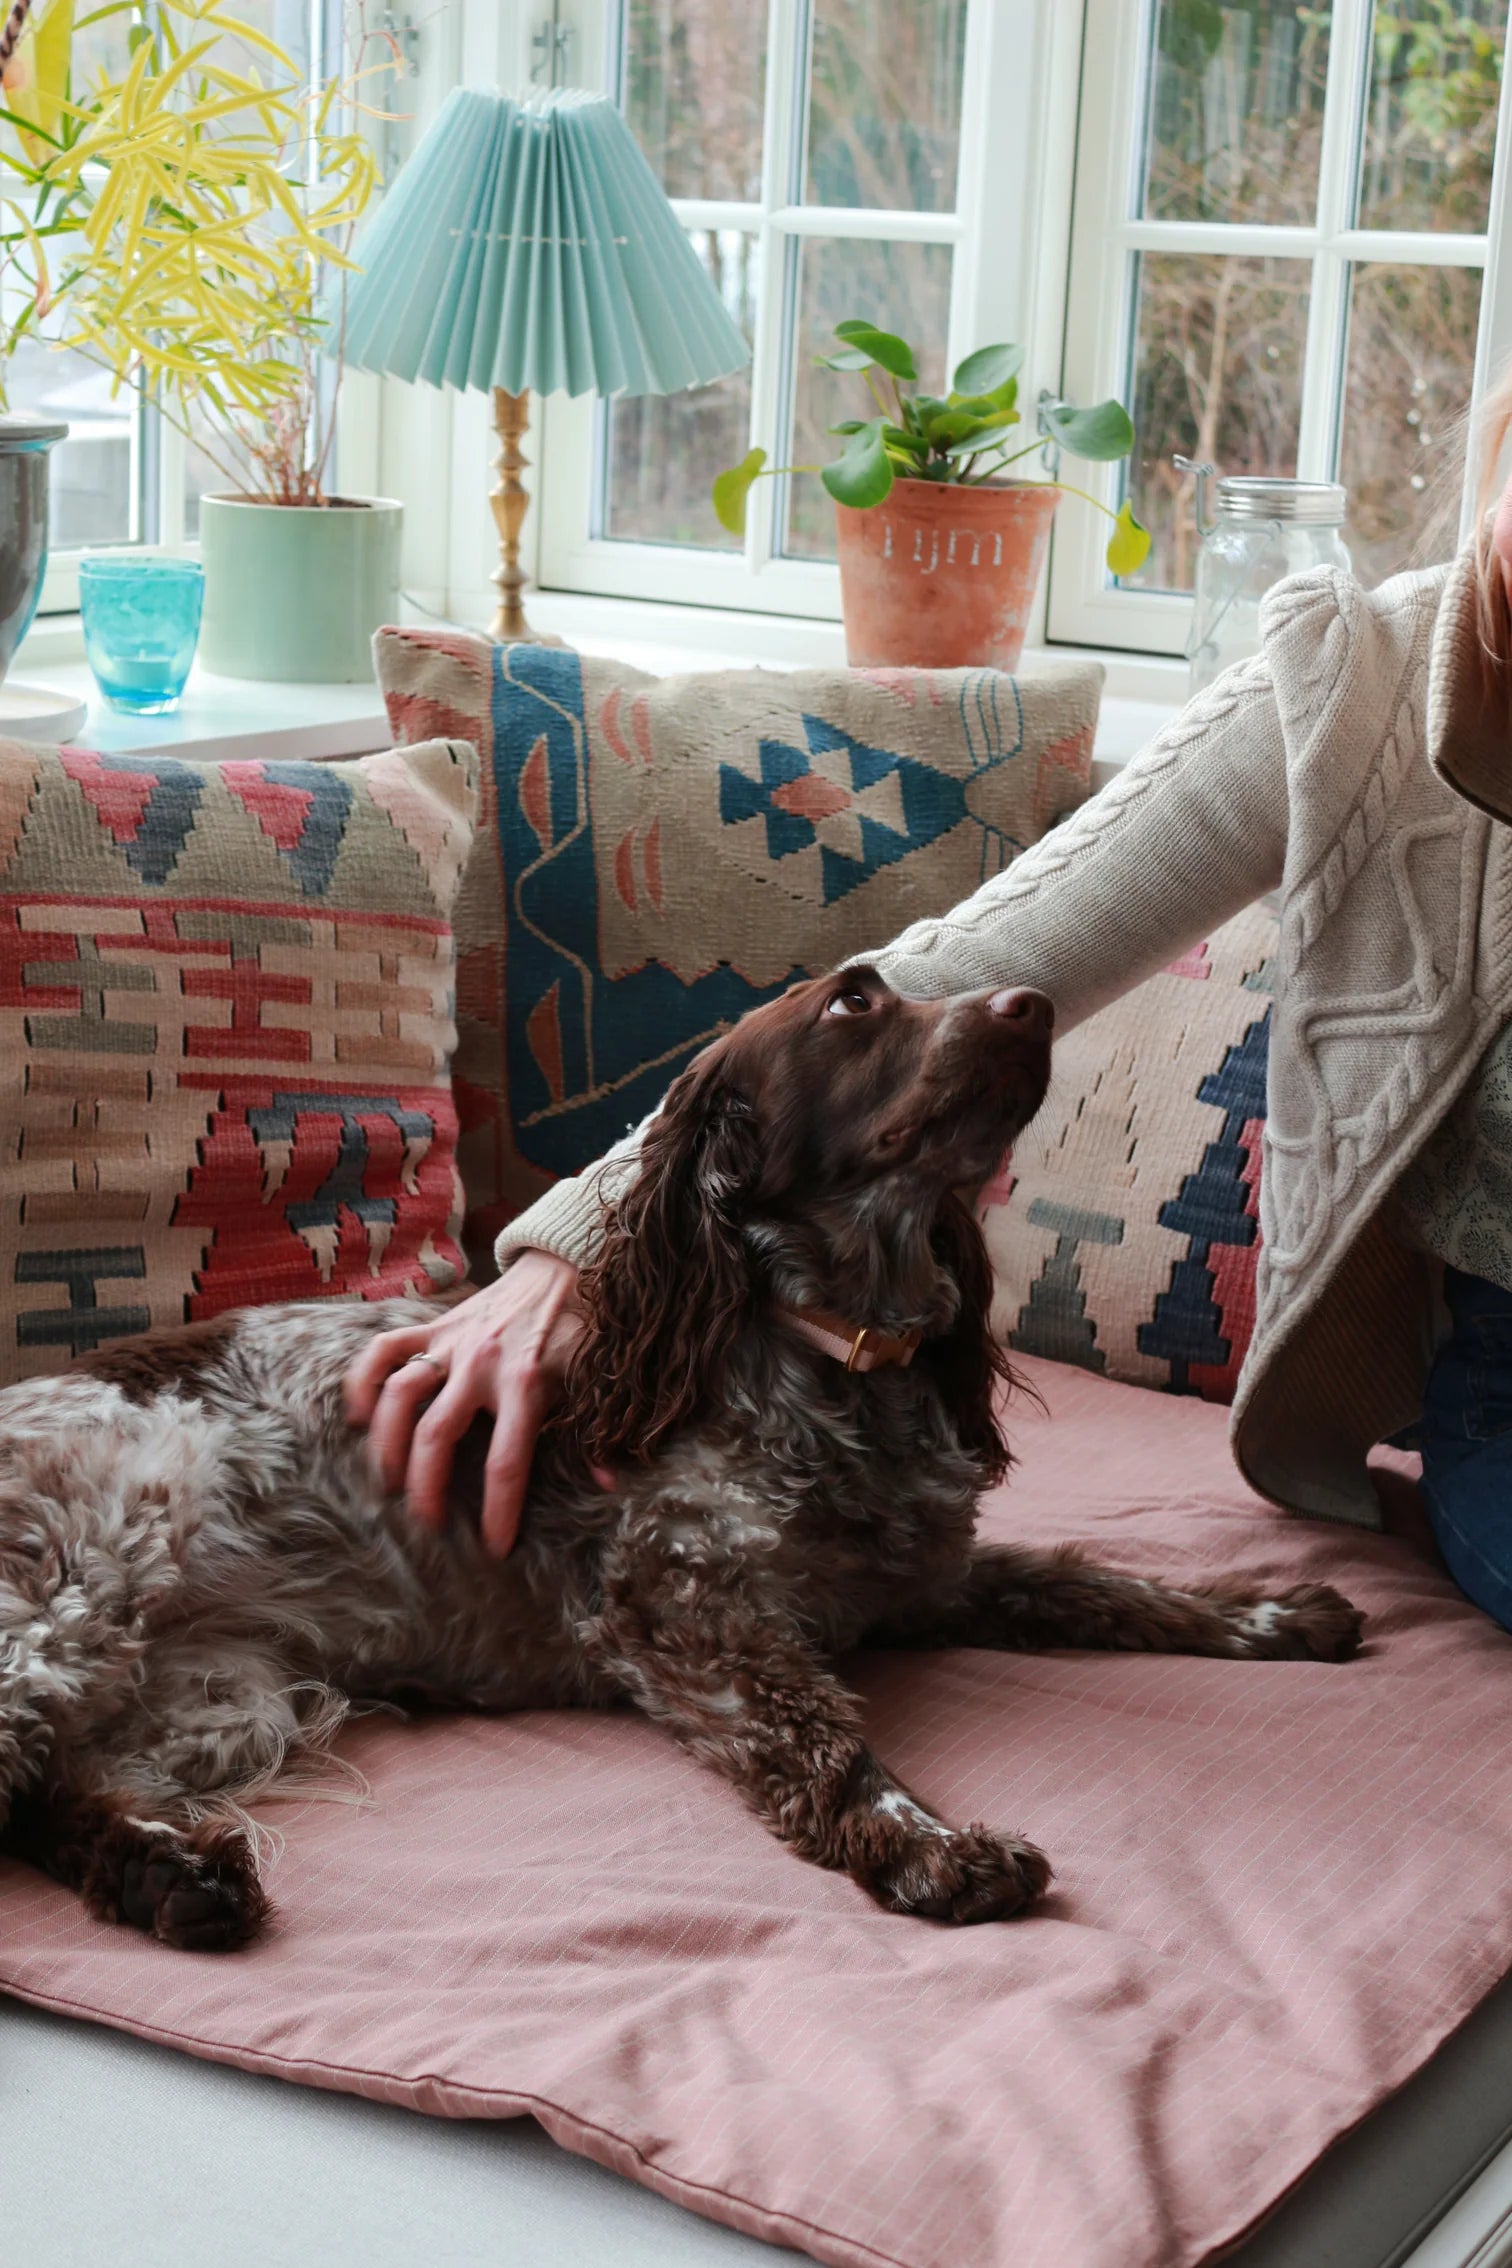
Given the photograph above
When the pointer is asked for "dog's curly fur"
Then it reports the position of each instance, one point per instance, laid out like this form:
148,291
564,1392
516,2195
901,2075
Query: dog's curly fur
198,1571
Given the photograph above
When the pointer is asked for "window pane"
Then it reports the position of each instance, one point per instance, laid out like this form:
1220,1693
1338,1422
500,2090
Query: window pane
285,21
694,87
90,471
1236,111
103,47
1217,375
214,465
99,50
903,287
885,103
1430,125
665,449
1410,360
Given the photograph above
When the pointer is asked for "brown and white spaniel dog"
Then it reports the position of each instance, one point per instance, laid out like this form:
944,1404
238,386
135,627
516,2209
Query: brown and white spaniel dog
788,1368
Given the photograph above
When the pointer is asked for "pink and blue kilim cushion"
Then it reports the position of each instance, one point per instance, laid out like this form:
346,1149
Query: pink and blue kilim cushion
225,1037
656,856
1125,1228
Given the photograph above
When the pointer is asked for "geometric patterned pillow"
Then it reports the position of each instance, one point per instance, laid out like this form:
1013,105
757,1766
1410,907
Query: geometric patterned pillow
225,1037
1124,1230
656,856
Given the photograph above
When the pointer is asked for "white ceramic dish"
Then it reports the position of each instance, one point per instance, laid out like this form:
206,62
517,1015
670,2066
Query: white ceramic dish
35,712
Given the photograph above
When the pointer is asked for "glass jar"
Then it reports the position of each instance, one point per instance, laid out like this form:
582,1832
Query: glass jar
1260,531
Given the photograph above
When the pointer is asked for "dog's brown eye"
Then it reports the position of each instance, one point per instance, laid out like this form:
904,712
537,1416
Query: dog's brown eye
850,1003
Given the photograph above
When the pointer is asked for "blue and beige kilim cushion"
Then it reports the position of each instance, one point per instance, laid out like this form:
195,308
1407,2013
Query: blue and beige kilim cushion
656,856
1124,1230
225,1037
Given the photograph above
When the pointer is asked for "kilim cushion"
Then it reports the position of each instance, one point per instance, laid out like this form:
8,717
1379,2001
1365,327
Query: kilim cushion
1124,1230
226,1016
656,856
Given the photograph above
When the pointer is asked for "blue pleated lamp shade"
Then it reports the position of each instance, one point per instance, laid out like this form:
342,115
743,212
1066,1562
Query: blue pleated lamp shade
529,245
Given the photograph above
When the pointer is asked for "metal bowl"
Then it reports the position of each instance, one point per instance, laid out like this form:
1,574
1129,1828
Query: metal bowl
24,443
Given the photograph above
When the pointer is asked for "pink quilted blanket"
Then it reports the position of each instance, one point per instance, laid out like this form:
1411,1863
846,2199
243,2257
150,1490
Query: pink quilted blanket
1279,1887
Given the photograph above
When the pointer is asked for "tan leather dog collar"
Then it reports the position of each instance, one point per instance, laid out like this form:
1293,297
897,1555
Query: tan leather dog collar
857,1345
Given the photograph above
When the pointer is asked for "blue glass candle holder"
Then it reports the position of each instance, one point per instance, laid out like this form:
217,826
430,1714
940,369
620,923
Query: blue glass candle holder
141,625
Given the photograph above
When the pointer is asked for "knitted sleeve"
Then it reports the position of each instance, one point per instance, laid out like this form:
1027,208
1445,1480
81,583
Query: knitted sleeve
1186,834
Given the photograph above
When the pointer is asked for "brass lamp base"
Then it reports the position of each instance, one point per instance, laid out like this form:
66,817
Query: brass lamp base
510,502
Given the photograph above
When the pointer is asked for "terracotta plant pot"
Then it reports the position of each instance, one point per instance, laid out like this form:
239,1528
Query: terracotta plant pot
943,577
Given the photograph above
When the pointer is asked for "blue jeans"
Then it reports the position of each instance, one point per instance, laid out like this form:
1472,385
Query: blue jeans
1466,1440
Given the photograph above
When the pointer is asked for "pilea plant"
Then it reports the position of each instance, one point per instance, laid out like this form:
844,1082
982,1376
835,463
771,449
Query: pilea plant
971,436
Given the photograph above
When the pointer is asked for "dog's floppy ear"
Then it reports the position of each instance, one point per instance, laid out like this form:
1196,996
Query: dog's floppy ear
671,1280
967,1360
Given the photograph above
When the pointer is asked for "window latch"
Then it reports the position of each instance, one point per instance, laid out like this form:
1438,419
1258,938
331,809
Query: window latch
551,51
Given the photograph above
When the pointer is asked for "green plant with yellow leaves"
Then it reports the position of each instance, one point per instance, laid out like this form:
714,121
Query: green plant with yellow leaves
176,224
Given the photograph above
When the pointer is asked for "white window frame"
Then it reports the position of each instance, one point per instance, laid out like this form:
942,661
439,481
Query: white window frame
1007,233
1084,606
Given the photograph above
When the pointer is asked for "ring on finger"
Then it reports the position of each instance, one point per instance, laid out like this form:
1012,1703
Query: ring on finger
438,1367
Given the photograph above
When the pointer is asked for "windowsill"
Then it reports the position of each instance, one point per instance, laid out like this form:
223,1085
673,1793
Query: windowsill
218,717
223,716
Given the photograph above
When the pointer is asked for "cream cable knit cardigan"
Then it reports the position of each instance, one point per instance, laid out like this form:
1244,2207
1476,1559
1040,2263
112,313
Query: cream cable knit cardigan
1360,764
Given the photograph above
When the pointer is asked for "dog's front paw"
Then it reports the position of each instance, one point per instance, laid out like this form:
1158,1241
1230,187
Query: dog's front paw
1309,1623
954,1874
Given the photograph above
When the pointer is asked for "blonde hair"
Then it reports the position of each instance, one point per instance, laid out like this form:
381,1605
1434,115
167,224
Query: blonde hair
1494,427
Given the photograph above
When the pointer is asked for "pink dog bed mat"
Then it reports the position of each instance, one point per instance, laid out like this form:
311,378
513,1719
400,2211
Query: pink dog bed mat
1279,1886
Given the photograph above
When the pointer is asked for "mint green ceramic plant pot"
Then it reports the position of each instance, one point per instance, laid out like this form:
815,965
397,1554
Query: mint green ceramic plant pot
295,591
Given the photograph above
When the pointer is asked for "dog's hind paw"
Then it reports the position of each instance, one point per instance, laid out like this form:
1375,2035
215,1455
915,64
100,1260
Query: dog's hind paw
199,1893
960,1875
1309,1623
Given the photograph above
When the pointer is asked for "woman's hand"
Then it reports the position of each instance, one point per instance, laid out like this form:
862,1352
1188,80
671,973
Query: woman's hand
418,1390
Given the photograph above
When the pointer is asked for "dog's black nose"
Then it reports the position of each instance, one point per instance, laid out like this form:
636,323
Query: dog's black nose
1029,1013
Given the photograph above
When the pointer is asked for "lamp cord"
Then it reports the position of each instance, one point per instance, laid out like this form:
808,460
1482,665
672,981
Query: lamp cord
445,620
